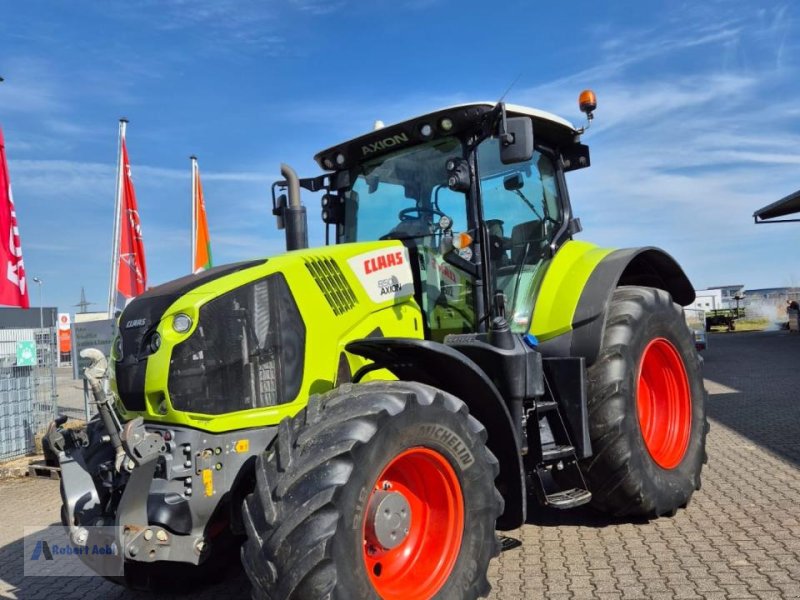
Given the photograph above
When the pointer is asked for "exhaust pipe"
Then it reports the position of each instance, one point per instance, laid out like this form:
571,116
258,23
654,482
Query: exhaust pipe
294,213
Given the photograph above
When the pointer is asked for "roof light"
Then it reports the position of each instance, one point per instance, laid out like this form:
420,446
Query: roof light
446,124
340,159
587,102
327,163
426,130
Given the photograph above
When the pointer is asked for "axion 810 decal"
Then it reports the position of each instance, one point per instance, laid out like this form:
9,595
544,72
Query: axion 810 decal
385,274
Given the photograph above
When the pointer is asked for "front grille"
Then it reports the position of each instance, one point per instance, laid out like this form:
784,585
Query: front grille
332,284
141,318
246,352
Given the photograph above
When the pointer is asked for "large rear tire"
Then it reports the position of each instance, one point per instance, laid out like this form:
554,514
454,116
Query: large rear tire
647,419
380,489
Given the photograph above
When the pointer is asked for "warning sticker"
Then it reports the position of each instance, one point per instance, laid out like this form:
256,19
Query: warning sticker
385,274
208,482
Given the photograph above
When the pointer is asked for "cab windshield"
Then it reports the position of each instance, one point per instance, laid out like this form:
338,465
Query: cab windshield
404,195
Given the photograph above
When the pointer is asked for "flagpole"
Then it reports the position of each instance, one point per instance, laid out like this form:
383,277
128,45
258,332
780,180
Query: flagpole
112,287
193,158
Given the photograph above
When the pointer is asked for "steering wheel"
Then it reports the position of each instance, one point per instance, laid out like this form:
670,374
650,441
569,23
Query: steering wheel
406,213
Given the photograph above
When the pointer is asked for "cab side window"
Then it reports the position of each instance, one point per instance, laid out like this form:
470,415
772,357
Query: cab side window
521,207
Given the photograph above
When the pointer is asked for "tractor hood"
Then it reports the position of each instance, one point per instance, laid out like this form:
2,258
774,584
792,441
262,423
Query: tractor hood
204,347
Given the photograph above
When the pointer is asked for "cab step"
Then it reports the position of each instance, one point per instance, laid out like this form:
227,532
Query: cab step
553,454
557,478
508,543
569,498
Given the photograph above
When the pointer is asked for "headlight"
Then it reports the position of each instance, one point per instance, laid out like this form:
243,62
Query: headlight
181,323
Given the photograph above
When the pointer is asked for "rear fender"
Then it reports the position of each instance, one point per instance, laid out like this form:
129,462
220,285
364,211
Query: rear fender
646,266
449,370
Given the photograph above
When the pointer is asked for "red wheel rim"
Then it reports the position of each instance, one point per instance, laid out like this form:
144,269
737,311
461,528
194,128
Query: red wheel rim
664,403
419,566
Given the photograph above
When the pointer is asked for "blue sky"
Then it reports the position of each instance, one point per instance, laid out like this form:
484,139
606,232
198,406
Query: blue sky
698,120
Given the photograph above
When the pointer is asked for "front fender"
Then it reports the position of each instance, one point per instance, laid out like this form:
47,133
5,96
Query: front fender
449,370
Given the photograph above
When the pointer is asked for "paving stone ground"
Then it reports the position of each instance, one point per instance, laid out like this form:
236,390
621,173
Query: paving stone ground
739,537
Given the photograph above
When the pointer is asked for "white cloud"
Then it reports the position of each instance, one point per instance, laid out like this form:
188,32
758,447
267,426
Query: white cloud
29,87
317,7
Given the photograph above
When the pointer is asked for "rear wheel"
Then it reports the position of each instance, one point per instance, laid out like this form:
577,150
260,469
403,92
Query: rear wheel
375,490
646,408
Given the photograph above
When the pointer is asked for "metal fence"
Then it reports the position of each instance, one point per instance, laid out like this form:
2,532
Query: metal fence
28,394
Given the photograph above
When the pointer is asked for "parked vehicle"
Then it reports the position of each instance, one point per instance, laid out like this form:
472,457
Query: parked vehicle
696,320
724,317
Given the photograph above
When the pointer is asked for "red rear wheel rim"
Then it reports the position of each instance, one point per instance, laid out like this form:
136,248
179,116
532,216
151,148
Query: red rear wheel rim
664,403
419,566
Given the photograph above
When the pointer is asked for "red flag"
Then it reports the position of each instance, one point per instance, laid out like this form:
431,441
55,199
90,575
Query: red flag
132,274
13,287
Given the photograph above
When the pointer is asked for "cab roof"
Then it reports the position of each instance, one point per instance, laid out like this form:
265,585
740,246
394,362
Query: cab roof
463,116
518,109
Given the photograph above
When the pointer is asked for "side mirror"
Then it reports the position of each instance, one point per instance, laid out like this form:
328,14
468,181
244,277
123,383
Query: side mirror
513,182
516,143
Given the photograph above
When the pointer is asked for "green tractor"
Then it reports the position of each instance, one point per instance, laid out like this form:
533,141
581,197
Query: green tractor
359,420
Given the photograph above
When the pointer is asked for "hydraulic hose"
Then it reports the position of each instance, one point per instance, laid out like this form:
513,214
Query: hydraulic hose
94,375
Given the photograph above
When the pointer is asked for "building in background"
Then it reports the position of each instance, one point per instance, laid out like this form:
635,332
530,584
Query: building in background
718,298
27,318
22,324
86,317
763,303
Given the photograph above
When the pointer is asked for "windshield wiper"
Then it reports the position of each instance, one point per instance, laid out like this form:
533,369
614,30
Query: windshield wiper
529,203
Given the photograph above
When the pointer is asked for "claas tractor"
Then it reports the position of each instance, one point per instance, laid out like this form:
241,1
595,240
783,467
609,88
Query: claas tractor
362,419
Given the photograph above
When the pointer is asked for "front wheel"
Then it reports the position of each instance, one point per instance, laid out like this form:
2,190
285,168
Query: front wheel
374,490
647,420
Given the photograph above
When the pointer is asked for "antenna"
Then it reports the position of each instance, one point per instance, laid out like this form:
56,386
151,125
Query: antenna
506,139
508,89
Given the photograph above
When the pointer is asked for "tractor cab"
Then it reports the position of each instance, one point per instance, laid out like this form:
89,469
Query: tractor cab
475,192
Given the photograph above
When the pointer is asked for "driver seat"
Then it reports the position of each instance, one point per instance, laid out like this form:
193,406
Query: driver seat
532,232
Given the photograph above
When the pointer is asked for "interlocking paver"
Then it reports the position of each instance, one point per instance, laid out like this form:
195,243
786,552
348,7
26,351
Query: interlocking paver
739,537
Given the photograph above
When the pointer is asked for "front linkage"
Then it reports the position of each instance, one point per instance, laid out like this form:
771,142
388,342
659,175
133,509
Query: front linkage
150,493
